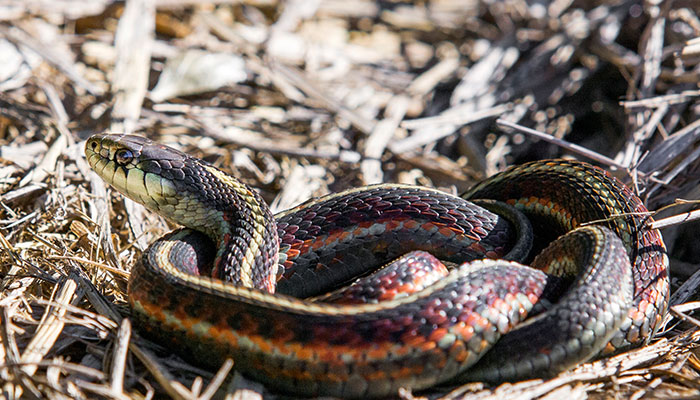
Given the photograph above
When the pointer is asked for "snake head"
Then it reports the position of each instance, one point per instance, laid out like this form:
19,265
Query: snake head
187,191
145,171
179,187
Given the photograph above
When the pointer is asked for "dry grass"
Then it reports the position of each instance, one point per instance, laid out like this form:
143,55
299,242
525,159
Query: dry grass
313,97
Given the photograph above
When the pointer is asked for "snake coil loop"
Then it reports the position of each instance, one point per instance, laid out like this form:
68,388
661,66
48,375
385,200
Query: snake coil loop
209,289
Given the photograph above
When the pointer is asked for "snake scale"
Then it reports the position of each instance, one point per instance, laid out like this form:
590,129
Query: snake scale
235,281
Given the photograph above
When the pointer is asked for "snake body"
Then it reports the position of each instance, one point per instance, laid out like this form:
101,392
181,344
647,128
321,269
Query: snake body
209,289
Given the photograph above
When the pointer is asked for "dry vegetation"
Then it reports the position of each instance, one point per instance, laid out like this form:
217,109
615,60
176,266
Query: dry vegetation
300,98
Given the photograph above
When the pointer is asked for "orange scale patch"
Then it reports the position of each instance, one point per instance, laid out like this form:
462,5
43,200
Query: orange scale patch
471,319
447,232
412,340
344,236
329,241
636,315
264,345
376,376
429,226
466,332
329,357
304,352
477,247
300,375
484,323
461,356
437,334
530,201
406,371
402,351
484,344
185,321
305,245
392,225
226,336
428,346
359,231
437,318
502,306
331,377
608,349
410,224
289,348
377,353
533,298
333,236
367,224
216,332
293,252
318,244
286,266
492,254
154,310
643,305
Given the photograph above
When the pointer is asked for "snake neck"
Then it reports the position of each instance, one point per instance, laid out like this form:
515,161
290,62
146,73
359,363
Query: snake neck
235,217
245,230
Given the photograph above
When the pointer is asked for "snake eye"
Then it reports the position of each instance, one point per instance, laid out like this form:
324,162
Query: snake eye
123,156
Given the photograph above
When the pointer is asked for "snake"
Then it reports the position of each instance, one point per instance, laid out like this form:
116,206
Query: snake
239,282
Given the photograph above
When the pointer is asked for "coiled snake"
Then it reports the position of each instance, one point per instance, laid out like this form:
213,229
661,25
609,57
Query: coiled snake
209,290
